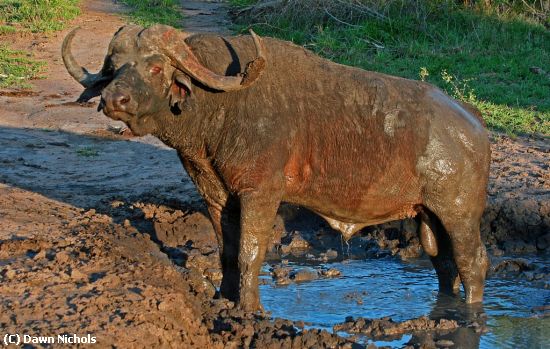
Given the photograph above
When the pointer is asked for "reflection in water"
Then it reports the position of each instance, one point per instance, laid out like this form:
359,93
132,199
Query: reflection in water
514,332
388,287
448,307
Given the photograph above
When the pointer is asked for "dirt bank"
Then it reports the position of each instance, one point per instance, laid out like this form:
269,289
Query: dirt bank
105,234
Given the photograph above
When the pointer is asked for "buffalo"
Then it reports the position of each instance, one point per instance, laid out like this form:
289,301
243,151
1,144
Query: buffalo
260,121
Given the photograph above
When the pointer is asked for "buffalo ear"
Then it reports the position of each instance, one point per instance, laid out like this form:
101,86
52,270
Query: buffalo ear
180,90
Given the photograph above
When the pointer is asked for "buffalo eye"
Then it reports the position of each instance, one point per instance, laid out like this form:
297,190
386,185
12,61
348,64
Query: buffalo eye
155,70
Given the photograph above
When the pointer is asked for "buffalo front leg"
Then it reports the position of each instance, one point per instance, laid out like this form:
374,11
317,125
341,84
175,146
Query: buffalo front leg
257,216
226,223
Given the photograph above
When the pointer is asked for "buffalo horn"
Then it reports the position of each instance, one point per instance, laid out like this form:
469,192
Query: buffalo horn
78,72
174,46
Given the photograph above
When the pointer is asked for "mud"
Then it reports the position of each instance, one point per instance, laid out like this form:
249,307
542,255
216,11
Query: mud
103,233
517,218
79,272
70,270
386,327
18,93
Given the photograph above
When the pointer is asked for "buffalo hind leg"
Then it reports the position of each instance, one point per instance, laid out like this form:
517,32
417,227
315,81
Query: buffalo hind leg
470,258
443,262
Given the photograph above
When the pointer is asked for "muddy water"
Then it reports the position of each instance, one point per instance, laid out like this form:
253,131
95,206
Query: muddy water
377,288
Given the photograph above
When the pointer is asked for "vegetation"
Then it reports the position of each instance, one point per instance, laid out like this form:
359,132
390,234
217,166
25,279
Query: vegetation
36,15
17,16
87,152
39,16
16,68
148,12
490,53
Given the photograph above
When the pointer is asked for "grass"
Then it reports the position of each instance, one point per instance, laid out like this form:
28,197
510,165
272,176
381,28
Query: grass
87,152
242,3
148,12
480,55
36,16
16,68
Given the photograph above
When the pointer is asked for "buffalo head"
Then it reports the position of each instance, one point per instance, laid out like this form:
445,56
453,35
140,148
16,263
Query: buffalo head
151,71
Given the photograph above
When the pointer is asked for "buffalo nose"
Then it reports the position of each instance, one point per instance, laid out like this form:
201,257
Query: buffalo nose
120,100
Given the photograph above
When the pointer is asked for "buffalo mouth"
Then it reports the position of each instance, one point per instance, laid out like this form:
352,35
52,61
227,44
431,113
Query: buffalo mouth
138,124
113,113
119,115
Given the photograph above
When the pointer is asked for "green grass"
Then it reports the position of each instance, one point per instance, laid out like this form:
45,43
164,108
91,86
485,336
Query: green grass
7,29
87,152
241,3
36,15
148,12
481,56
16,68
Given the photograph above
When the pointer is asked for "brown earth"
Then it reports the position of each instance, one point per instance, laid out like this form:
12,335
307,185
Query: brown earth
103,233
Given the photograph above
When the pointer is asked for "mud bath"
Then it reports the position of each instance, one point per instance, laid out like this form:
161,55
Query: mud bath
513,307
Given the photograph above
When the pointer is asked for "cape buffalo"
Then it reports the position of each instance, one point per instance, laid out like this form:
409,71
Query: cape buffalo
356,147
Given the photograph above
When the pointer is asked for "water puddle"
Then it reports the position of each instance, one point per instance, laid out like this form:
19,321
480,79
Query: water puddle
376,288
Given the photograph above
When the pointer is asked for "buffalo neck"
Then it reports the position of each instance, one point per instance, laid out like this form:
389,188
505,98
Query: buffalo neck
196,131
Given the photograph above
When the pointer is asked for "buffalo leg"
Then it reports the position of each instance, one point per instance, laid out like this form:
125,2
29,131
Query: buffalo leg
226,225
257,216
458,203
440,252
444,263
470,258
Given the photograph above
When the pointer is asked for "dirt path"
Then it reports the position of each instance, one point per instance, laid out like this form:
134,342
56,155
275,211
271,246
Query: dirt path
206,16
90,219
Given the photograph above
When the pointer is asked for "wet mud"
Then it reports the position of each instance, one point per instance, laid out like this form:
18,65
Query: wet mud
103,233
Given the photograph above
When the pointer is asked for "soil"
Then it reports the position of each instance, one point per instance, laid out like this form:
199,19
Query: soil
206,16
103,233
